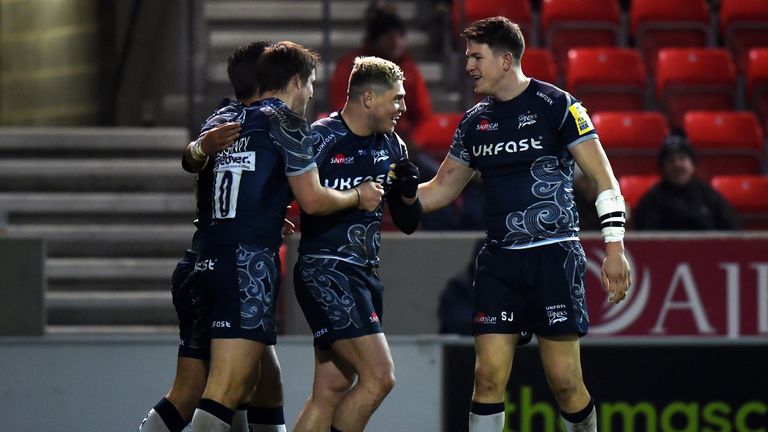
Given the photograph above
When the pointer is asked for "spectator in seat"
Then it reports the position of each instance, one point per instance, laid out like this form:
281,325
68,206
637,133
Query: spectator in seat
681,201
385,38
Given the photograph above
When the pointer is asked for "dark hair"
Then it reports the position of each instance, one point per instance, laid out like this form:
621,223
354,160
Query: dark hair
280,62
380,21
241,69
674,144
499,33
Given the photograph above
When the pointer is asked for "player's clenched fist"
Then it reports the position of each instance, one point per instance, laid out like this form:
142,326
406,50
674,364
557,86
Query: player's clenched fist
369,195
405,176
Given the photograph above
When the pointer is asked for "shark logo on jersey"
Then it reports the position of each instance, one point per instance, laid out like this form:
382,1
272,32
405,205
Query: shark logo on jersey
380,155
526,119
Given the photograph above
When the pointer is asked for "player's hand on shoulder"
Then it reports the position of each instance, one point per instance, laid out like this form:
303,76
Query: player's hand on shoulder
405,176
370,195
219,138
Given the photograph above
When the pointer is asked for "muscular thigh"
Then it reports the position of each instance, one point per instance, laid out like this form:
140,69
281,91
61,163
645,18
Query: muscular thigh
339,300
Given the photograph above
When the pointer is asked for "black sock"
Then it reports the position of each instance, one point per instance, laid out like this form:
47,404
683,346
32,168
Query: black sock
333,429
579,416
216,409
266,415
170,415
486,409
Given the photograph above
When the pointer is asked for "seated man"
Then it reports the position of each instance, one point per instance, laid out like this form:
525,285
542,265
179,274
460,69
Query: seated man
681,201
385,38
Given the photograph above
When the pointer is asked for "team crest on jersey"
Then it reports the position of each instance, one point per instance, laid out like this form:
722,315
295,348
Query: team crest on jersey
526,119
342,159
583,122
485,126
379,155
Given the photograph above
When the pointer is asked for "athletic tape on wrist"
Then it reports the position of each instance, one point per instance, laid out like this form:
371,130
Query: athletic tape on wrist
613,215
197,150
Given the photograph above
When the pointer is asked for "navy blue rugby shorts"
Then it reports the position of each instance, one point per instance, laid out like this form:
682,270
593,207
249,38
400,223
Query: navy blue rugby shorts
540,289
194,325
340,300
240,285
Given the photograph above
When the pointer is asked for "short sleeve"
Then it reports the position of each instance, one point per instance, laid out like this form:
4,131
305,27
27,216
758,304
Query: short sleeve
293,140
458,151
576,127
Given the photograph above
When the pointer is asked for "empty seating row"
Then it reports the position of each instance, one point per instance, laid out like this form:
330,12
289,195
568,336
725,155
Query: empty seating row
609,78
728,142
653,24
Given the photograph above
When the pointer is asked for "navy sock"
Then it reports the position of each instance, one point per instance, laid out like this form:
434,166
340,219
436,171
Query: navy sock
266,415
170,415
579,416
486,409
214,408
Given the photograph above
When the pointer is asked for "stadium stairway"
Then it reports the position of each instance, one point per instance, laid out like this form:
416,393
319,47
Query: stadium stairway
115,208
232,23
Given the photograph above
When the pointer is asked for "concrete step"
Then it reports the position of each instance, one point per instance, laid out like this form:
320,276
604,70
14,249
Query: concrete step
275,11
110,308
124,142
223,41
84,208
88,269
102,174
119,240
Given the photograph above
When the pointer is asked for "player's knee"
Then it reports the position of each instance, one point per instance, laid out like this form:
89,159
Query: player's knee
489,380
380,383
565,387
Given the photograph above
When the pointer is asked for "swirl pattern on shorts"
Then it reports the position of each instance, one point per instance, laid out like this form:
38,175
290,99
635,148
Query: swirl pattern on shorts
575,266
330,288
257,278
364,244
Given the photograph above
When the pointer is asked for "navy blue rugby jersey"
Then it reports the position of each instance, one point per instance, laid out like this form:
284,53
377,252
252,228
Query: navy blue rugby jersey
345,160
227,111
520,147
250,189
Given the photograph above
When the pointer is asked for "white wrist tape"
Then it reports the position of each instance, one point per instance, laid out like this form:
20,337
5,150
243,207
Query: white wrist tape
197,150
613,215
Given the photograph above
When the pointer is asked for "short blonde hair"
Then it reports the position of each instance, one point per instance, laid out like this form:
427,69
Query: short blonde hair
373,72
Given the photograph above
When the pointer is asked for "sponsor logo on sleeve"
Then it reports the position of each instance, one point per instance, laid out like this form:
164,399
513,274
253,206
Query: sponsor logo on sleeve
583,122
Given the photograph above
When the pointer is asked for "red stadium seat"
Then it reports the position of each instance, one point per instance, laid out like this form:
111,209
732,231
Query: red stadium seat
743,25
631,140
434,136
657,24
539,63
694,79
748,195
729,142
607,78
633,187
757,82
568,24
519,11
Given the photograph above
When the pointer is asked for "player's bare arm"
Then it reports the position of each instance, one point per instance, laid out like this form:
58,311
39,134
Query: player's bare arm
616,274
450,180
316,199
209,143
